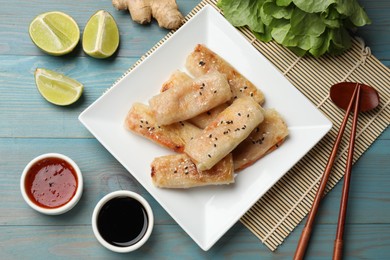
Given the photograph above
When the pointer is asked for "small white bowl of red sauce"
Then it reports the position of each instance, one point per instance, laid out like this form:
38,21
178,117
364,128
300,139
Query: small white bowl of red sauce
51,183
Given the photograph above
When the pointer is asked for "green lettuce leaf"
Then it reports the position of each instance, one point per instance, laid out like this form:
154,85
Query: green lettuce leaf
243,12
323,48
280,30
332,18
283,2
313,6
303,23
265,16
278,12
265,36
314,27
353,11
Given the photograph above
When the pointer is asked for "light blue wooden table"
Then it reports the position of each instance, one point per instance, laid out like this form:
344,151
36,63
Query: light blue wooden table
30,126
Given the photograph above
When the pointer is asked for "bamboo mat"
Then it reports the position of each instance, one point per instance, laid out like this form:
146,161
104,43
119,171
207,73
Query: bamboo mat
283,207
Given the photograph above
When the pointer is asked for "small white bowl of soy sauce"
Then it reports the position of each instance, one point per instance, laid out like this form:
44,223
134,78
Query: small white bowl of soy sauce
122,221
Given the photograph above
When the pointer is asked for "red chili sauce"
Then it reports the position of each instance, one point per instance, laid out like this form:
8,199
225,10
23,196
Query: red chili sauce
51,183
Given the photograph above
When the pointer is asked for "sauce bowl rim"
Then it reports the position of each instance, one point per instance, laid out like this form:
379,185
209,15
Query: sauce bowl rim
118,194
64,208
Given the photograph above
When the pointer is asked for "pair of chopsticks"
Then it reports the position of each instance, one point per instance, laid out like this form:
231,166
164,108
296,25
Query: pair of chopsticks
305,236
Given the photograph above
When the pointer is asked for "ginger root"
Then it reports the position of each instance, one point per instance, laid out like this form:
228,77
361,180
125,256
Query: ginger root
166,12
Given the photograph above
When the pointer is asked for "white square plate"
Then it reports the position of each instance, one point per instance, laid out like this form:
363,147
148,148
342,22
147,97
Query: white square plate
205,213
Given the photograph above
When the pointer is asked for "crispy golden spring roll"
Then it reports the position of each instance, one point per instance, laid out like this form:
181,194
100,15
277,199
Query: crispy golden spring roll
178,171
265,138
201,120
190,99
140,120
228,130
202,60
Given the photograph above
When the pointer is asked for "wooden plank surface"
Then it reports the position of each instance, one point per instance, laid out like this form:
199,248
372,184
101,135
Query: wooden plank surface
30,126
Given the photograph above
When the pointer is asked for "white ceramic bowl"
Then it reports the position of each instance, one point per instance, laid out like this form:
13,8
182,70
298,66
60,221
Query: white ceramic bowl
64,208
117,194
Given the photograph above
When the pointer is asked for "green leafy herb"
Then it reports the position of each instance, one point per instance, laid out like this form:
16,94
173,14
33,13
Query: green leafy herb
304,26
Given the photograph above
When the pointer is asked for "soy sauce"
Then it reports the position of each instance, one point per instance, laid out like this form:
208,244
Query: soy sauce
122,221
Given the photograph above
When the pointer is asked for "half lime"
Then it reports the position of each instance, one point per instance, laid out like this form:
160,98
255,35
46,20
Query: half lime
101,35
55,33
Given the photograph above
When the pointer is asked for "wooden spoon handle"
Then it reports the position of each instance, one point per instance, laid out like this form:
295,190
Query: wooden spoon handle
305,236
338,245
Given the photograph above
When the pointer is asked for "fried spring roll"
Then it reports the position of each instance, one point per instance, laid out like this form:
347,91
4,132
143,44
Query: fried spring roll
201,120
140,120
221,136
202,61
178,171
184,101
265,138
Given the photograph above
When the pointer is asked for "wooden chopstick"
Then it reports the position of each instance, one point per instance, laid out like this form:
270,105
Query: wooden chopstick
306,232
338,243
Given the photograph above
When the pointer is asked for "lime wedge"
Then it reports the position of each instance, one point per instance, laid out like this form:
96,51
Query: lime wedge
57,88
55,33
101,35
